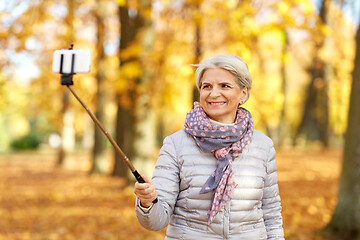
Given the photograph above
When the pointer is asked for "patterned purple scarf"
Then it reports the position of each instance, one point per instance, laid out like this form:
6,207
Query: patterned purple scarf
226,143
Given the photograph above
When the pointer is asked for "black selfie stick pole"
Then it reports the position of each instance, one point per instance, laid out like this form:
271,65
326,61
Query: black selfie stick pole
66,79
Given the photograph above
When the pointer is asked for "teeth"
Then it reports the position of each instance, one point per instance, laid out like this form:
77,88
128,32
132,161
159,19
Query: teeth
217,103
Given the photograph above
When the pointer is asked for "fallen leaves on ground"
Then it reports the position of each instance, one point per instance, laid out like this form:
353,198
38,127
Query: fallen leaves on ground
41,202
308,182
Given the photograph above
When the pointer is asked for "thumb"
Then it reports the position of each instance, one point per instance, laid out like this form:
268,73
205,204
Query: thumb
146,179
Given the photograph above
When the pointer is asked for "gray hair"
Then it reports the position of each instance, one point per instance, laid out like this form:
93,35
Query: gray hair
232,63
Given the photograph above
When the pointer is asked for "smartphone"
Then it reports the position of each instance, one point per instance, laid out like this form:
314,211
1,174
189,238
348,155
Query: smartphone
70,61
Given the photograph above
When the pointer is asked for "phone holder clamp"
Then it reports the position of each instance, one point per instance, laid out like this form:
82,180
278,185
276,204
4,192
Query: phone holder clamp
67,78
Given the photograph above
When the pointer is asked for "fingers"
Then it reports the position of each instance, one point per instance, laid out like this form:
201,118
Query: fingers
145,192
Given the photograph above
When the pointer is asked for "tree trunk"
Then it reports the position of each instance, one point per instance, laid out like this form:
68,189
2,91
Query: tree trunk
98,158
87,141
283,126
134,124
144,142
196,94
68,132
315,121
124,117
310,126
125,139
345,222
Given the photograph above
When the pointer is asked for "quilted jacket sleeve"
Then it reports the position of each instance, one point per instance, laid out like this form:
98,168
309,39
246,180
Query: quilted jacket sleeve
166,181
271,203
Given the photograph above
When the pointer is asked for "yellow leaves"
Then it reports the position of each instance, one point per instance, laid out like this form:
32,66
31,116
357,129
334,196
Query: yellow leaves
325,29
2,90
195,2
308,202
232,4
187,71
132,51
283,7
113,62
121,2
19,125
307,7
64,204
130,71
252,30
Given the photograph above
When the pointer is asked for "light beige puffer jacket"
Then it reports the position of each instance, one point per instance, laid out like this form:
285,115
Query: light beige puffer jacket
182,169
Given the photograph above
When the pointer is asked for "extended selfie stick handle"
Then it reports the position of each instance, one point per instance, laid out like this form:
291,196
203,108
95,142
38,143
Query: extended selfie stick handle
112,141
67,79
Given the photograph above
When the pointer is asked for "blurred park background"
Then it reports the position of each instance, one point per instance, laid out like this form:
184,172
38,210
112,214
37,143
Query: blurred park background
59,176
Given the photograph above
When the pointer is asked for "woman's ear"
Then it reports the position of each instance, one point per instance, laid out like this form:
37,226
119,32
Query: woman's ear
244,95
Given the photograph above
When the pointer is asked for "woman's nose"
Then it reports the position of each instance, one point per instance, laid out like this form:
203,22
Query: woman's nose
214,92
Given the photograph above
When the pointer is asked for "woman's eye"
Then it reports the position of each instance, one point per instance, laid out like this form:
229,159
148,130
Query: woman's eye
225,86
205,86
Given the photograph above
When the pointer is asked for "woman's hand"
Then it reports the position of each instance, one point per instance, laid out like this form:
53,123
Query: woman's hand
145,192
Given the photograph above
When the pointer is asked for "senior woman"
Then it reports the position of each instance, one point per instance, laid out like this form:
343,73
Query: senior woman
215,178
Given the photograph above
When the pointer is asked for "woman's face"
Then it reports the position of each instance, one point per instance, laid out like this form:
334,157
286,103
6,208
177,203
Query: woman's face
220,95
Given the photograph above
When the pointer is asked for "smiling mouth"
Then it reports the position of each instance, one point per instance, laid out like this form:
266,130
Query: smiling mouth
216,103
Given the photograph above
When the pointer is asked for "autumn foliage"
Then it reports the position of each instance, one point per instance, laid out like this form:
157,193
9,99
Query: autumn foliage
300,54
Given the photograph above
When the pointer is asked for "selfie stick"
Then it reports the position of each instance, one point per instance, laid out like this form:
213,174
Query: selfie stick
67,79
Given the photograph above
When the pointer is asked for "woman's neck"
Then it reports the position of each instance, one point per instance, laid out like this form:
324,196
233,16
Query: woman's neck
220,123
